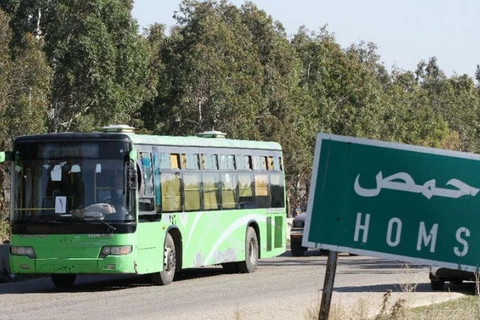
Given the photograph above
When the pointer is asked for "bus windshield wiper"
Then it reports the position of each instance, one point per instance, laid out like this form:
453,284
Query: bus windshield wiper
89,213
108,225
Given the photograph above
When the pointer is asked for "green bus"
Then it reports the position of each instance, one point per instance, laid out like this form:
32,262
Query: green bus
117,202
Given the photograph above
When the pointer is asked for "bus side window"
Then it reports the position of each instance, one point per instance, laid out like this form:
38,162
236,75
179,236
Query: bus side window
211,181
277,163
192,182
209,161
192,161
239,162
192,188
229,190
174,161
171,191
277,189
245,190
264,163
262,192
271,164
227,162
247,162
164,161
146,191
156,182
183,158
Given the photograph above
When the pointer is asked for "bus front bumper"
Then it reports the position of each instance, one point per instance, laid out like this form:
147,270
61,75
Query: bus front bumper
108,265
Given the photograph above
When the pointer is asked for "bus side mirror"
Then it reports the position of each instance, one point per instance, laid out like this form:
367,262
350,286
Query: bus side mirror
131,174
133,155
6,156
132,177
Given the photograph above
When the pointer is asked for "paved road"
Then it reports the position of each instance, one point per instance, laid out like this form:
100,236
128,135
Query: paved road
285,287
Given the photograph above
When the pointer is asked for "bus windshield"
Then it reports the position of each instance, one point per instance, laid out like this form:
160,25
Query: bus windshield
70,182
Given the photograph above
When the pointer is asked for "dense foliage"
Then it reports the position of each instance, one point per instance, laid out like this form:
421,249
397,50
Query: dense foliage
78,65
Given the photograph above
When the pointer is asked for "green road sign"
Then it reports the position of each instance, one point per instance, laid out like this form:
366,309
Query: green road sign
395,201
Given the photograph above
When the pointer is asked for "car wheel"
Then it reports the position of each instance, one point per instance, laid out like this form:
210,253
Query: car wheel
324,252
297,249
437,284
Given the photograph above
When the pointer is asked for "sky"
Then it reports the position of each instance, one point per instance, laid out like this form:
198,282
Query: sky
405,32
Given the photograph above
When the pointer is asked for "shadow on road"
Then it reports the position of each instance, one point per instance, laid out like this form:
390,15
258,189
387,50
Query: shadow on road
366,263
90,283
466,288
351,265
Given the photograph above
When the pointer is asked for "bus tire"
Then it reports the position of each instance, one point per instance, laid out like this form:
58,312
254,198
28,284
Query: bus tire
63,280
251,253
169,264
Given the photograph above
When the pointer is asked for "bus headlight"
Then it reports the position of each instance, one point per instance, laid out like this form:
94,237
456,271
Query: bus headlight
23,251
115,251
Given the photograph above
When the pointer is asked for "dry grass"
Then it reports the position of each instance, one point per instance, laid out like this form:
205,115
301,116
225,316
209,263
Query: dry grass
460,309
337,311
410,279
237,313
467,307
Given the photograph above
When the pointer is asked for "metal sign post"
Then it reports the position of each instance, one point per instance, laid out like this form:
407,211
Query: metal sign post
328,285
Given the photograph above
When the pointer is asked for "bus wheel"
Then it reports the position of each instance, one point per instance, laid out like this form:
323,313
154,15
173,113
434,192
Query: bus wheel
251,253
169,264
63,280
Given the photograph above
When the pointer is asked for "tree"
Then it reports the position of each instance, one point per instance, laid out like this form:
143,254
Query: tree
455,99
230,69
283,111
29,91
157,103
410,119
211,72
24,93
340,89
5,69
5,73
343,85
99,62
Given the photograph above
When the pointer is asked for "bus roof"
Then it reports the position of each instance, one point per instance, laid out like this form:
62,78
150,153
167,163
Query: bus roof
141,139
194,141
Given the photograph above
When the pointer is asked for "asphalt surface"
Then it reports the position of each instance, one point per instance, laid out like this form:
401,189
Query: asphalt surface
285,287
